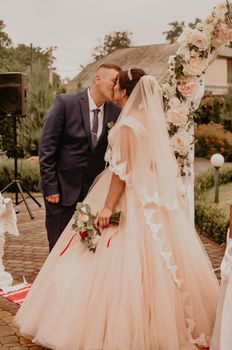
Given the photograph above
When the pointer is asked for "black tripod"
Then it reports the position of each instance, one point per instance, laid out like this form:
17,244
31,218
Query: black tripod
16,183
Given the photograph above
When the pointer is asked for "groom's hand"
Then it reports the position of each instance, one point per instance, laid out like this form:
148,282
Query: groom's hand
53,198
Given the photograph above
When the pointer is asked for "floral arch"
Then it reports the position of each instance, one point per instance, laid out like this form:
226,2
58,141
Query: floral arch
185,88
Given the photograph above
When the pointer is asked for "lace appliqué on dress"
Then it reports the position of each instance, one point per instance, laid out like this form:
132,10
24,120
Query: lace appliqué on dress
134,124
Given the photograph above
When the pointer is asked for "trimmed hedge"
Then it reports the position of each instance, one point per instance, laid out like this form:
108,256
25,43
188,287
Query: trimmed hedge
28,173
209,219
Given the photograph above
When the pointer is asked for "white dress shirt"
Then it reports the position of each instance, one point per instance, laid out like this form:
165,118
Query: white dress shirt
93,106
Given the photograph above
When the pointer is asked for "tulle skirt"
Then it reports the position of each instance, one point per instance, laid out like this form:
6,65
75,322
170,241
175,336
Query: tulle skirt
139,290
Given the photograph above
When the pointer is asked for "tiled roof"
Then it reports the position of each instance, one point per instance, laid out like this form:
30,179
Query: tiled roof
152,58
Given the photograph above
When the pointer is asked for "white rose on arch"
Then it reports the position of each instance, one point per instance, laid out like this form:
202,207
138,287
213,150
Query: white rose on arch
174,102
220,11
194,37
178,115
168,90
181,142
184,52
195,66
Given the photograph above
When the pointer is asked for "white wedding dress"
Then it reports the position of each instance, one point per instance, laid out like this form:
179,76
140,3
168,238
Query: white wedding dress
222,334
149,285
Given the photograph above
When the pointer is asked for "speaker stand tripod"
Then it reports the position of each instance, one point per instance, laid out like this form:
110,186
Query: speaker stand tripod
16,184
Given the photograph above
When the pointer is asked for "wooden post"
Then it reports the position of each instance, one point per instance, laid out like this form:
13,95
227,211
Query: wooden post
216,199
230,233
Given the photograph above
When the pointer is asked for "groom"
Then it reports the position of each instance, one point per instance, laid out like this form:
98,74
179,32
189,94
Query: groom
72,147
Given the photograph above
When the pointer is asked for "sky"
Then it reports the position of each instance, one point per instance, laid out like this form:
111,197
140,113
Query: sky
76,27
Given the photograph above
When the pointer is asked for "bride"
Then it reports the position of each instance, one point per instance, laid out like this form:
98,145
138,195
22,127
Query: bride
149,285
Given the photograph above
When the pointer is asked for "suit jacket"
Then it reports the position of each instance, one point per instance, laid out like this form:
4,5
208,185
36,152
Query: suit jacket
68,164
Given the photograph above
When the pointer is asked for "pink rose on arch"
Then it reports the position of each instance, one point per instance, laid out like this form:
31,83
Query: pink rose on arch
187,87
224,32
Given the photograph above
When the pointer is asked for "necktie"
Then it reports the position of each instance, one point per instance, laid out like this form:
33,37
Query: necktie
94,127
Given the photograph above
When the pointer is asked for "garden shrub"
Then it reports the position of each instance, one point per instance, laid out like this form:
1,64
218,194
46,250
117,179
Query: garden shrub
210,220
213,138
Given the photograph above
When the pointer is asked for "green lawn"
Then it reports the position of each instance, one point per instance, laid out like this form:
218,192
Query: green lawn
225,197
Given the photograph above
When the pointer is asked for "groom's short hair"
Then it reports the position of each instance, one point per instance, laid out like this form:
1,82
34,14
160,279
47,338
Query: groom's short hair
110,66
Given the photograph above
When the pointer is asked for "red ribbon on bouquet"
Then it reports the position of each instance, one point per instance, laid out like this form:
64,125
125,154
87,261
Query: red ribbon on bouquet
70,241
108,242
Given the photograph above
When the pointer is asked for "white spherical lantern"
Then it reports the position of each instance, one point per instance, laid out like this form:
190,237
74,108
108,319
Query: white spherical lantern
217,160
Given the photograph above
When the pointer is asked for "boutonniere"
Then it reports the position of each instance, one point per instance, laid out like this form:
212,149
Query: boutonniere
110,125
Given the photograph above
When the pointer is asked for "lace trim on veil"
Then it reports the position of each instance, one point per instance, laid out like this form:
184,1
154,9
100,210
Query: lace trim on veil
145,199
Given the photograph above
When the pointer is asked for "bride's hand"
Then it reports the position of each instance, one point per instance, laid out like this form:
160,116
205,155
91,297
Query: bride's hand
103,218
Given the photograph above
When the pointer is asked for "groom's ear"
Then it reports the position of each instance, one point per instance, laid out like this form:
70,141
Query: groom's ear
123,92
97,77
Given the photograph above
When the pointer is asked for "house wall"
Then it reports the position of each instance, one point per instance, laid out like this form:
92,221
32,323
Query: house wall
216,76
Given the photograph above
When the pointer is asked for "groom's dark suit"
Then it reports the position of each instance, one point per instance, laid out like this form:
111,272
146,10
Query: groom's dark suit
68,164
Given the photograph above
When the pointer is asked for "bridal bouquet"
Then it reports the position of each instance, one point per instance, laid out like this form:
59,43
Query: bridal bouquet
84,225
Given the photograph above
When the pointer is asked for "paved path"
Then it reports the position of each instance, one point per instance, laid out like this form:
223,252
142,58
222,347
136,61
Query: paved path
24,256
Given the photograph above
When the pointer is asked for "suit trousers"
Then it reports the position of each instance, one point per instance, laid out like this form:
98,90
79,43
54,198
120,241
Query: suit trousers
57,218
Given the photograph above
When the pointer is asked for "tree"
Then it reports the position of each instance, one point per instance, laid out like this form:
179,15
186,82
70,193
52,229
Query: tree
34,61
194,24
111,42
5,44
39,100
21,57
173,34
177,28
5,40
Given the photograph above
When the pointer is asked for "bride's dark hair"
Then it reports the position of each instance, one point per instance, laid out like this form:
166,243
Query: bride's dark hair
128,79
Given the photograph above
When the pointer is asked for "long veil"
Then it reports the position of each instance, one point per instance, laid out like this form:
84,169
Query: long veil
139,145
